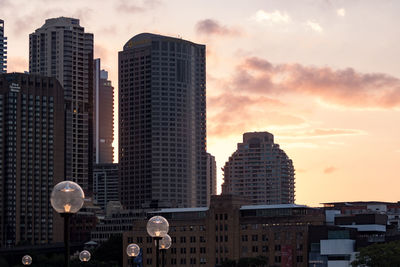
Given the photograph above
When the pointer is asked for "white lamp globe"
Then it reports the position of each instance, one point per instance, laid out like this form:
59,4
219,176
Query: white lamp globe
84,255
157,227
132,250
165,242
67,197
26,260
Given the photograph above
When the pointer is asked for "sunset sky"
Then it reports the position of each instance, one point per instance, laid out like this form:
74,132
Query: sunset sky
321,75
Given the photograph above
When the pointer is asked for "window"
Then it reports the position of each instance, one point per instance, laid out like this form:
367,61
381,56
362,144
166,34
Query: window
254,238
244,237
254,249
299,258
277,258
277,247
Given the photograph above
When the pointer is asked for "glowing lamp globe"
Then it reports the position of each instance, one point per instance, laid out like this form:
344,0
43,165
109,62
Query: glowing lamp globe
165,242
26,260
84,255
132,250
67,197
157,227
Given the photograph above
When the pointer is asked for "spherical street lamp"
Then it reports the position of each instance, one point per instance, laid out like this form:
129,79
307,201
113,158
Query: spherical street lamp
67,198
26,260
132,250
165,243
84,255
157,227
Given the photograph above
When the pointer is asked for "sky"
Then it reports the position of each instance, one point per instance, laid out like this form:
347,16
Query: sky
322,76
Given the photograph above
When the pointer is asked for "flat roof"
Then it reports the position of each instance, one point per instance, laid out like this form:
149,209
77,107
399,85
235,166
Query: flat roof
180,210
276,206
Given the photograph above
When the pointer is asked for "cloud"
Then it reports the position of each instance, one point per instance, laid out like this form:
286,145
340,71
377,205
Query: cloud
235,114
341,12
330,170
272,17
320,133
302,145
343,87
127,6
314,26
210,26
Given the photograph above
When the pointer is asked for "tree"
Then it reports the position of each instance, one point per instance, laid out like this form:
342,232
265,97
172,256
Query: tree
383,255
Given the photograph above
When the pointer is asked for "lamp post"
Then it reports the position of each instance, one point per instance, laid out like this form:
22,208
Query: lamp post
132,250
157,228
67,198
84,255
26,260
165,243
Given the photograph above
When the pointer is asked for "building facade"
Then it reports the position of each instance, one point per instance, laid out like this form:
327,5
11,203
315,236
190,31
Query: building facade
105,183
260,171
211,177
162,115
103,116
62,49
3,49
31,158
231,230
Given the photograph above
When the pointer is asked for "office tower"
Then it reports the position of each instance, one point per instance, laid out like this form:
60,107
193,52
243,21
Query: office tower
103,115
62,49
260,171
31,158
105,183
3,49
211,177
162,115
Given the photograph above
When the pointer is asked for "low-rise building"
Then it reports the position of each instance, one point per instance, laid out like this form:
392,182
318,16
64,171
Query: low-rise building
231,229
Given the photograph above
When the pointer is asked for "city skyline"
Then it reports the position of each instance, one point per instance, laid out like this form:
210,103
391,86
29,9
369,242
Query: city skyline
306,72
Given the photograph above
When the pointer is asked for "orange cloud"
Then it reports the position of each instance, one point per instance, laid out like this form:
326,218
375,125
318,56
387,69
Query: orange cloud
329,170
235,114
320,133
210,26
344,87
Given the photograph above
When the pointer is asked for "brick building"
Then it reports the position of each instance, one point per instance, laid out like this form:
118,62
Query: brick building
229,230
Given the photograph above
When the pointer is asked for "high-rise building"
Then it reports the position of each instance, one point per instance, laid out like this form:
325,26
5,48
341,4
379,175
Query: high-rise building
105,183
31,158
162,122
3,49
211,177
103,115
260,171
62,49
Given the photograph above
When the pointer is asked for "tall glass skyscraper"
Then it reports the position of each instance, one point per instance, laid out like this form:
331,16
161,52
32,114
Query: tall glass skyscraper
62,49
260,171
162,122
3,49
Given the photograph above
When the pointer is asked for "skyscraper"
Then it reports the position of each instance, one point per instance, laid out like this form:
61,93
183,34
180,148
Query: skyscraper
3,49
260,171
31,158
162,115
103,115
62,49
211,177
